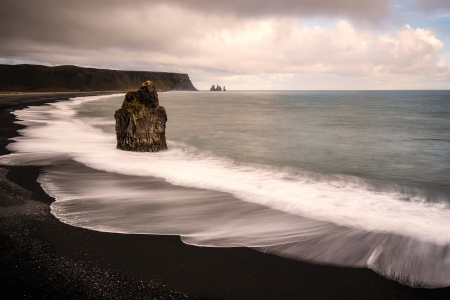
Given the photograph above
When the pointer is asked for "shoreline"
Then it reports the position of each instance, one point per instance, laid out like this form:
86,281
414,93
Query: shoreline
56,93
43,257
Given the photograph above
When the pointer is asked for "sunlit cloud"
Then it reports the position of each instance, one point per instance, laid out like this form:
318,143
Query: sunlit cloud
237,43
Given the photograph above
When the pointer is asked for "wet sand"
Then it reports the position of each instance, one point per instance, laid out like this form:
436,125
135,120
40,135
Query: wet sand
40,257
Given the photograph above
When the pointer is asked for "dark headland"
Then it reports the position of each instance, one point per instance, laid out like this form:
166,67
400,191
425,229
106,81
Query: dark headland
42,258
37,78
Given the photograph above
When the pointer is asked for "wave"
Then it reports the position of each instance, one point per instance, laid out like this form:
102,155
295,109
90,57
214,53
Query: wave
302,215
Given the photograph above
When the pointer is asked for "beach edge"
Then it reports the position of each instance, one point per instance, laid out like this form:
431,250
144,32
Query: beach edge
43,257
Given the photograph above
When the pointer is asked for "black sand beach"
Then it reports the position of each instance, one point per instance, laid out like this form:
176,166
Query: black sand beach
42,258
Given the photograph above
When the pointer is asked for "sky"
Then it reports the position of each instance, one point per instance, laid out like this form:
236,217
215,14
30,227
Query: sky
242,44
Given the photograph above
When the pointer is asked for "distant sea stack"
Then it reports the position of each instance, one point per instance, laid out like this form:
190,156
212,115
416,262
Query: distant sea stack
141,122
74,79
217,89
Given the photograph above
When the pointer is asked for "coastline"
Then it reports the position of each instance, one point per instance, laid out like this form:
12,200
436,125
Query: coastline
43,257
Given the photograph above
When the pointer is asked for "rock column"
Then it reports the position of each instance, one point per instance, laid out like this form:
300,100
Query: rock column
141,122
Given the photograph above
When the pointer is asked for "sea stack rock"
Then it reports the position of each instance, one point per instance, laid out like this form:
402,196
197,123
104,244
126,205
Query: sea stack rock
215,89
141,122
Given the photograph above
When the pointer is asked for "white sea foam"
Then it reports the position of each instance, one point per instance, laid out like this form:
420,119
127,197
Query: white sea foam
343,203
332,219
111,202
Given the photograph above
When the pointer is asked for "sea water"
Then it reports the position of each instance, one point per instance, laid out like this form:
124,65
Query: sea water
350,178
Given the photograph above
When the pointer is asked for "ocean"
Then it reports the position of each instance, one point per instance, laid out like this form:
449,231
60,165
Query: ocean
347,178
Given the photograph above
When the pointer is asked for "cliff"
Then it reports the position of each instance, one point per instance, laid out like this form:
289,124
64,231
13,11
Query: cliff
141,122
73,78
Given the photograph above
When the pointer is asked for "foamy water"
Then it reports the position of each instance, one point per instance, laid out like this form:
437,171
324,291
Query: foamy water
213,200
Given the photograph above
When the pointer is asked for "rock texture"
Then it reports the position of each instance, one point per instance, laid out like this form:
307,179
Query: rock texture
141,122
215,89
73,78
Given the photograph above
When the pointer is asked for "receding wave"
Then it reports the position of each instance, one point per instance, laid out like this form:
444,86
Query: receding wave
215,201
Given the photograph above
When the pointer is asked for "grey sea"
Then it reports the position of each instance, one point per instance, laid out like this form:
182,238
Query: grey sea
349,178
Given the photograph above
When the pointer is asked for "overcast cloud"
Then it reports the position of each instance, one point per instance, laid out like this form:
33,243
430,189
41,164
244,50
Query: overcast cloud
243,44
433,4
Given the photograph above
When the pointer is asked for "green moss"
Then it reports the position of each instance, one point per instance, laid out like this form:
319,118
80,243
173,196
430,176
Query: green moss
134,104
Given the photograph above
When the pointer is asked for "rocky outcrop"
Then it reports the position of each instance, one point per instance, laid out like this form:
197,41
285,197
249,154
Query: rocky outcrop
215,89
73,78
141,122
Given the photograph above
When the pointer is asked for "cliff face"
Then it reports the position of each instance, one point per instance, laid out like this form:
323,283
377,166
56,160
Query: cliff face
141,122
72,78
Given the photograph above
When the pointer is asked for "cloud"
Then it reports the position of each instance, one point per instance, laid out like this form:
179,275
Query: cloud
99,24
433,4
173,36
368,10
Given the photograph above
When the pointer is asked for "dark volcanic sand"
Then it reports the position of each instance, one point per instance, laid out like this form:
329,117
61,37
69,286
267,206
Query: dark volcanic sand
41,257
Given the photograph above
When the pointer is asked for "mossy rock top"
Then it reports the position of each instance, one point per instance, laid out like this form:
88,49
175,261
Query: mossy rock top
145,96
147,84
